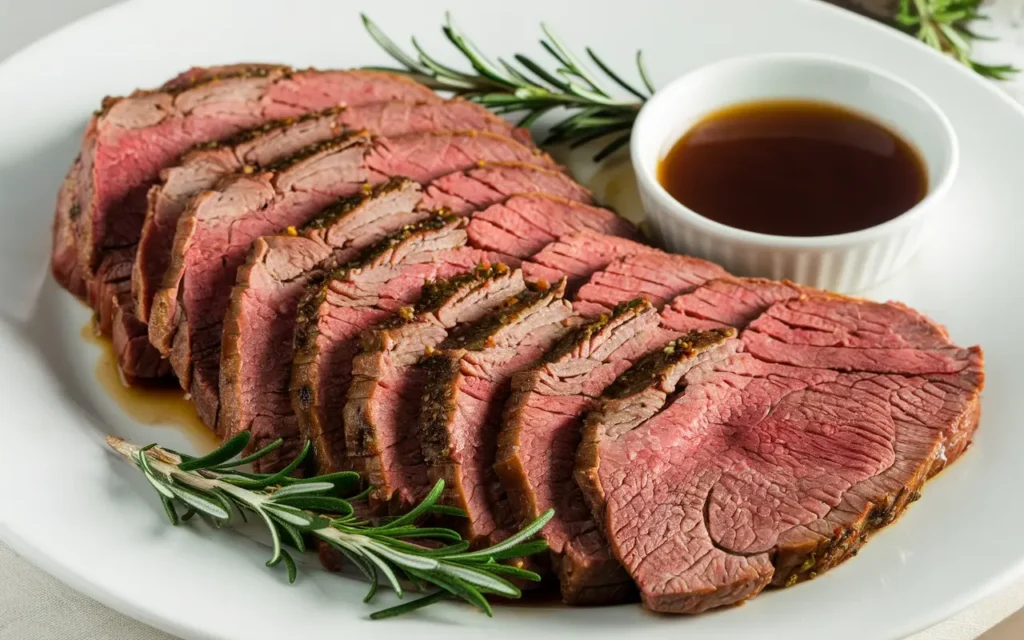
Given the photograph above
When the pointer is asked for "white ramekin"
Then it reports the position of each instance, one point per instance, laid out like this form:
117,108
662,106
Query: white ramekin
846,262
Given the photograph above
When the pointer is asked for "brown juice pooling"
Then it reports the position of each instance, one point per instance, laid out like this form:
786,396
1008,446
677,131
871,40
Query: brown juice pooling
794,168
153,405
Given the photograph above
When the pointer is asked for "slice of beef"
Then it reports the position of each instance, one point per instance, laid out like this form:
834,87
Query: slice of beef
544,414
376,417
336,310
480,187
259,326
467,383
778,452
257,351
381,439
218,227
532,222
201,168
725,302
657,276
131,139
576,256
64,258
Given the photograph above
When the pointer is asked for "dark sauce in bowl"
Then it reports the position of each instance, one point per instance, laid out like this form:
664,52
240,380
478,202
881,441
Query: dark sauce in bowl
794,168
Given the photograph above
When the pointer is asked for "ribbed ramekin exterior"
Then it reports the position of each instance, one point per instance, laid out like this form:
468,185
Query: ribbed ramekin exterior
844,268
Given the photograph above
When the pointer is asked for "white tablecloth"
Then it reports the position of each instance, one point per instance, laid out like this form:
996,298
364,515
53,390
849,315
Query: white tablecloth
35,606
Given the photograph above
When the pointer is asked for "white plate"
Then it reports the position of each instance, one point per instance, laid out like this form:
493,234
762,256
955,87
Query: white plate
93,522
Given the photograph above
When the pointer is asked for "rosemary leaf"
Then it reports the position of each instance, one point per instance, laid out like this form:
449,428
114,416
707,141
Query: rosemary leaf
323,504
289,563
409,607
222,454
294,535
251,457
445,510
461,589
172,513
199,502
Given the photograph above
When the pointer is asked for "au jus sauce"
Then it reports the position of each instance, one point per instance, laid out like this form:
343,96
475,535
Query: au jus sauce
794,168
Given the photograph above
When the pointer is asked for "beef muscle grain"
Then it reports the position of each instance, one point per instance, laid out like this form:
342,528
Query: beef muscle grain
131,139
543,417
217,229
384,397
467,383
256,358
479,392
780,451
203,166
338,307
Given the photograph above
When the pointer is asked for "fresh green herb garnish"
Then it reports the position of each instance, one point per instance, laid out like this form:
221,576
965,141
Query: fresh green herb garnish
945,25
532,89
294,509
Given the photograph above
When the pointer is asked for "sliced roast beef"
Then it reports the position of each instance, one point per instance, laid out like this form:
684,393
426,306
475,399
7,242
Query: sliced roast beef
218,227
577,256
64,259
467,383
382,409
471,435
203,166
256,360
544,414
259,327
374,410
325,367
131,139
336,310
779,452
531,222
480,187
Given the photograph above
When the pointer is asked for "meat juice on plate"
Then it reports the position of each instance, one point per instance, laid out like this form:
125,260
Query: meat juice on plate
157,405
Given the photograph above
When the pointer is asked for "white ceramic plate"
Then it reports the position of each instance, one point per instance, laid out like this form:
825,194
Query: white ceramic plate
93,522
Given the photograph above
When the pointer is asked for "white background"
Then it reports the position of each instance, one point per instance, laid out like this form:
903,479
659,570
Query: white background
35,606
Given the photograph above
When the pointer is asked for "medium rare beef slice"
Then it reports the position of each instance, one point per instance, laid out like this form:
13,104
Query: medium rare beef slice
384,397
214,236
576,256
538,440
531,222
777,453
726,302
131,139
64,255
543,417
259,327
335,311
254,374
216,231
657,276
203,166
467,384
479,187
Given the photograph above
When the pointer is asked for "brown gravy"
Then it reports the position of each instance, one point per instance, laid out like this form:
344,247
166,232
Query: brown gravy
794,168
159,406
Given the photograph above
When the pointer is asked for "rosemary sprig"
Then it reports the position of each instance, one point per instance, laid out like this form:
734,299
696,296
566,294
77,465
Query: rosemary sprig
320,507
944,25
532,89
